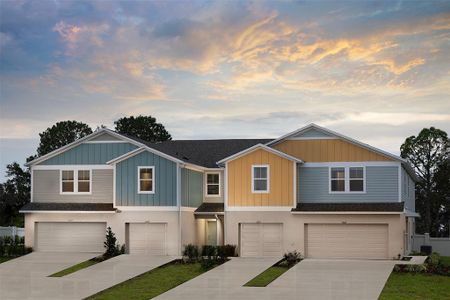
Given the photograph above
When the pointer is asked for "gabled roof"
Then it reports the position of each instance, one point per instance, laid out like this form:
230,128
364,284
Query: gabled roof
256,147
404,162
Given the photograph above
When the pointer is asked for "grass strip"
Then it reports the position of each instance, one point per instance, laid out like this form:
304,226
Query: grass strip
409,286
75,268
5,258
267,276
152,283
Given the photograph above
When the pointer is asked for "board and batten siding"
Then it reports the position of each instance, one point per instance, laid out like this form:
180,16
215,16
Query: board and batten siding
165,185
281,192
381,186
191,188
90,154
327,150
46,188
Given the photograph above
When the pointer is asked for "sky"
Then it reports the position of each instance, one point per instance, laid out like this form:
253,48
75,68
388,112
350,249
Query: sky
375,71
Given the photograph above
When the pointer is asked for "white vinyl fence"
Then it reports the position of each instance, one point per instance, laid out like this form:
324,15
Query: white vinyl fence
12,231
439,245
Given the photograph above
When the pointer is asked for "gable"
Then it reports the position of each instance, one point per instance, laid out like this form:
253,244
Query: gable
311,133
104,137
328,150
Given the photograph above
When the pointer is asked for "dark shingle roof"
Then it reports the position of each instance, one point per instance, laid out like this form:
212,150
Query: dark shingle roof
210,208
205,153
42,206
382,206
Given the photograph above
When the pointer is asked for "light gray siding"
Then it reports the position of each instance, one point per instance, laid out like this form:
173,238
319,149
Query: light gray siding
46,187
165,185
93,154
408,191
313,133
191,188
381,186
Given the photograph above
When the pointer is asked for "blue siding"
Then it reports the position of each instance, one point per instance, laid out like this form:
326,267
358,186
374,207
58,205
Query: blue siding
165,181
381,186
408,191
313,133
90,154
191,188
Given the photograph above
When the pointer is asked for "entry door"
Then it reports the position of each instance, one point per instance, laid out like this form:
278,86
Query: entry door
211,233
261,239
147,238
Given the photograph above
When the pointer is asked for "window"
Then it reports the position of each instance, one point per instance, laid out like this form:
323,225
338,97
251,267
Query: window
212,184
347,180
146,180
260,179
75,181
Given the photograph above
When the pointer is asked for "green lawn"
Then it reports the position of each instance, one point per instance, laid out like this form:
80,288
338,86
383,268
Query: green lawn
4,258
152,283
267,276
74,268
445,260
416,286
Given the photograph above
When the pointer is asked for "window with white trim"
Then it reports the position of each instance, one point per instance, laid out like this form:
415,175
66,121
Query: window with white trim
146,180
347,180
212,184
75,181
260,179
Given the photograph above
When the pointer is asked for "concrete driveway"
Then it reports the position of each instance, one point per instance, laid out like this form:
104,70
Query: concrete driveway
310,279
26,277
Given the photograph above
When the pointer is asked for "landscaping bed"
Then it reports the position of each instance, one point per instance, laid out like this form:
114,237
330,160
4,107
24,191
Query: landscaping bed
78,267
12,247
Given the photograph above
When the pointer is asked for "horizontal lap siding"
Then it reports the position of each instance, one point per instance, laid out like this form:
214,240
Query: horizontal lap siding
165,184
191,188
90,154
381,186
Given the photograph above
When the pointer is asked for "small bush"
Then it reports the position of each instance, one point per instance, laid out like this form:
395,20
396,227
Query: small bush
111,245
209,251
12,246
291,258
190,253
226,251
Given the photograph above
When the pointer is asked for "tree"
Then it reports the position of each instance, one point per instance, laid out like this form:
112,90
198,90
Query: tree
427,152
144,127
14,194
61,134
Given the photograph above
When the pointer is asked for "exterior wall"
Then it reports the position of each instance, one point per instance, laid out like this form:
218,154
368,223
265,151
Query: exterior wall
46,187
381,185
312,133
191,188
294,226
215,199
116,221
281,191
327,150
408,191
165,185
104,137
90,154
188,228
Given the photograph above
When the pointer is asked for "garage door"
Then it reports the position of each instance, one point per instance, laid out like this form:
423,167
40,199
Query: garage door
346,241
263,239
70,237
147,238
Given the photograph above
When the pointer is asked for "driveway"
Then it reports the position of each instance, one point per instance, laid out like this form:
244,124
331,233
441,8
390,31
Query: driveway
26,277
310,279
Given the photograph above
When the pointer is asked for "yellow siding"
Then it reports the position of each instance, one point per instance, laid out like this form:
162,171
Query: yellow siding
328,150
281,192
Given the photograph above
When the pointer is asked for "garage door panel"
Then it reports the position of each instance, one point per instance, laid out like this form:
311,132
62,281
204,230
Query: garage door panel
262,239
147,238
70,237
346,240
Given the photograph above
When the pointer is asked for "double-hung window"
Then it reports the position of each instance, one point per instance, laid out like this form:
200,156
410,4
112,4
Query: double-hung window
146,180
75,181
347,180
260,179
213,184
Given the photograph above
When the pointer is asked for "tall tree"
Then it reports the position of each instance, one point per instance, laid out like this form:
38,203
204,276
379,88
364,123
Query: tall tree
61,134
144,127
14,193
427,152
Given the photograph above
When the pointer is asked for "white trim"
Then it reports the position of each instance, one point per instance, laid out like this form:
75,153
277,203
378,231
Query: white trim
205,178
256,147
347,180
75,181
259,208
114,185
351,164
312,138
266,191
194,167
295,185
399,184
73,167
105,142
31,183
225,188
188,209
209,213
147,208
125,156
346,212
139,180
68,212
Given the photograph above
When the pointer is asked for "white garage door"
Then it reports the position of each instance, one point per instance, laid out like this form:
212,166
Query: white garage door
70,237
346,241
263,239
147,238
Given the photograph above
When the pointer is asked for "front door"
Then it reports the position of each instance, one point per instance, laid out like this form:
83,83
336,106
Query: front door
211,233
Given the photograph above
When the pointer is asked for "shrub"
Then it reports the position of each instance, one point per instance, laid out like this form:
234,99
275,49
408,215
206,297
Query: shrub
208,262
2,246
111,245
227,251
291,258
190,253
209,251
